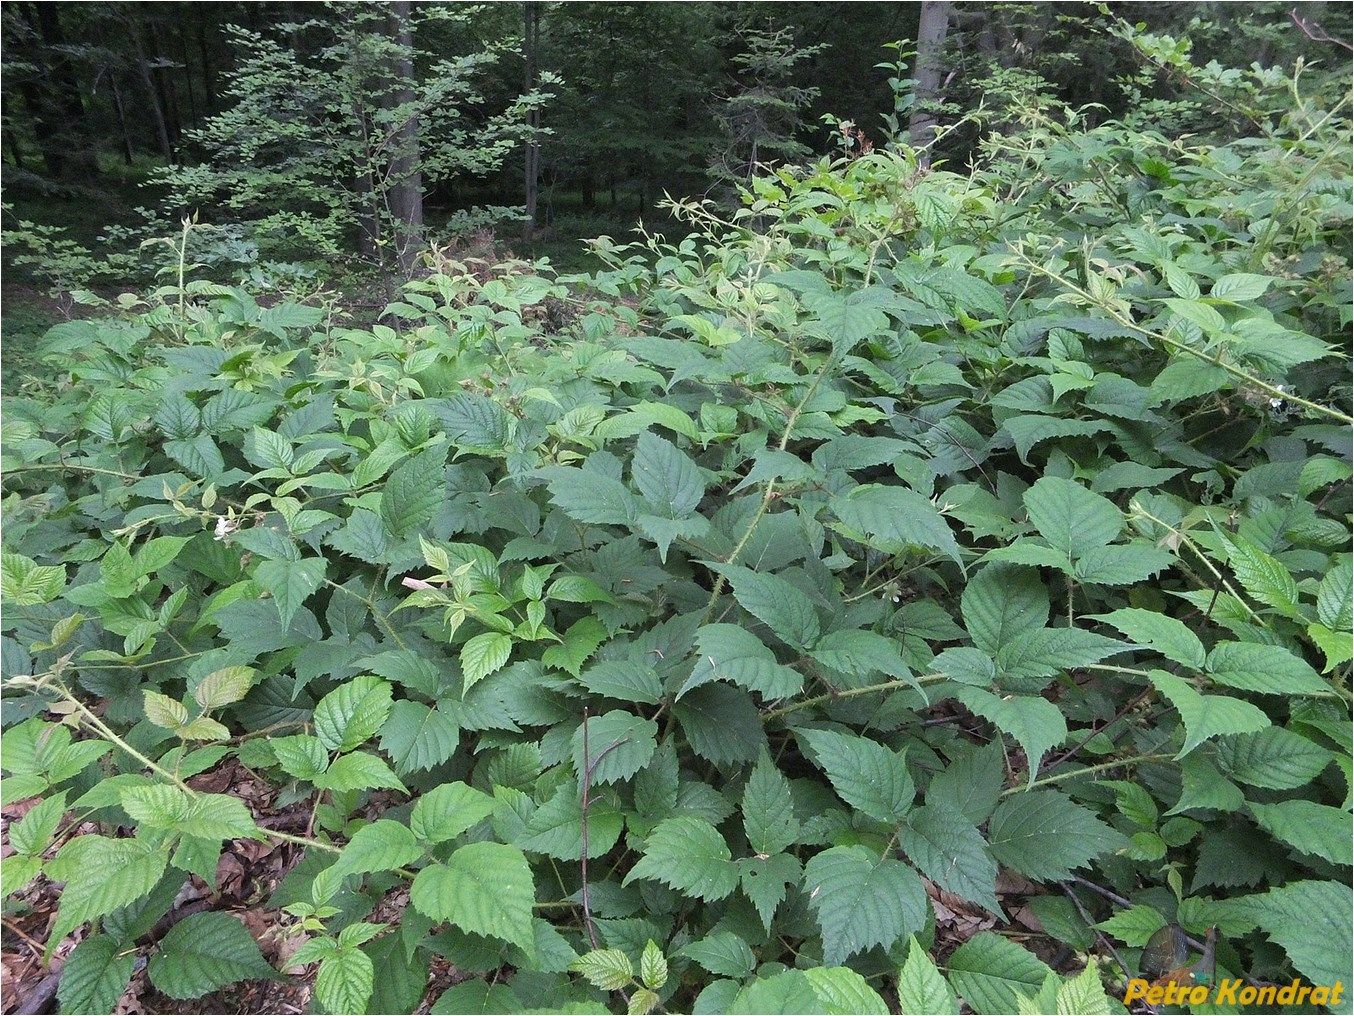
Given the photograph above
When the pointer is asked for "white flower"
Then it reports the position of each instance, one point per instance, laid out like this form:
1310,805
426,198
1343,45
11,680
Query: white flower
224,527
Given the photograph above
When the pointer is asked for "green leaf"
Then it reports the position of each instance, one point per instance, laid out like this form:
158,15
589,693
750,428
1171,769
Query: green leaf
345,980
1309,828
445,812
32,833
1071,518
893,518
592,497
782,607
765,882
417,737
769,809
667,478
688,854
1121,565
290,582
95,976
1002,602
626,680
722,953
608,969
414,492
580,642
1134,925
25,583
482,655
727,652
619,745
1083,995
789,991
843,992
1164,634
384,845
204,816
844,321
1263,577
1240,287
1044,652
204,952
1335,596
1035,723
949,850
865,774
224,687
556,827
198,455
1273,670
358,770
301,756
1274,758
1045,836
653,966
972,783
102,875
1310,921
990,973
921,989
484,889
1206,716
862,901
862,654
351,713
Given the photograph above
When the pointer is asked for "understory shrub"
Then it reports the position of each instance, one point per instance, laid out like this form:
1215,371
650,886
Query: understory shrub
707,631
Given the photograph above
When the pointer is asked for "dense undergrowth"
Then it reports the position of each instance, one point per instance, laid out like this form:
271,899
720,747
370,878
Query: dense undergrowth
915,537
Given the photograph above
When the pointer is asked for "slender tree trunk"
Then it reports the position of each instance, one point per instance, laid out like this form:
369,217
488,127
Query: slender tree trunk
120,111
164,86
157,112
208,78
70,106
406,176
935,23
531,39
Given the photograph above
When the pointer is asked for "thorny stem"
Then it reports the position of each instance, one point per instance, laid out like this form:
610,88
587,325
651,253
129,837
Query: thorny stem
1175,344
807,703
1087,770
769,493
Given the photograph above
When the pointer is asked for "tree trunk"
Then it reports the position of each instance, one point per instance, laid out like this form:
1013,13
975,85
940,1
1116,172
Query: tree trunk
208,79
157,113
406,176
81,157
531,39
164,86
935,22
120,111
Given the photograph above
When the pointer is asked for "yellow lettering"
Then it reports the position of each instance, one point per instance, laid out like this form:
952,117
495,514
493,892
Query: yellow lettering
1246,996
1137,989
1336,989
1320,995
1155,994
1267,995
1198,994
1227,988
1288,994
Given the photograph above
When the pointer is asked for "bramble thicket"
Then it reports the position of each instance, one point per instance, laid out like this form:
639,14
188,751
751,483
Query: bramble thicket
908,589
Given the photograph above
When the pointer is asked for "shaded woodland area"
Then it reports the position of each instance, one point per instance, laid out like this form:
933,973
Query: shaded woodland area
812,508
348,131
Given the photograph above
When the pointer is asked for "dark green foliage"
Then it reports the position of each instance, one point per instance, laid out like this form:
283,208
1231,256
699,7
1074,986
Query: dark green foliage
943,525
